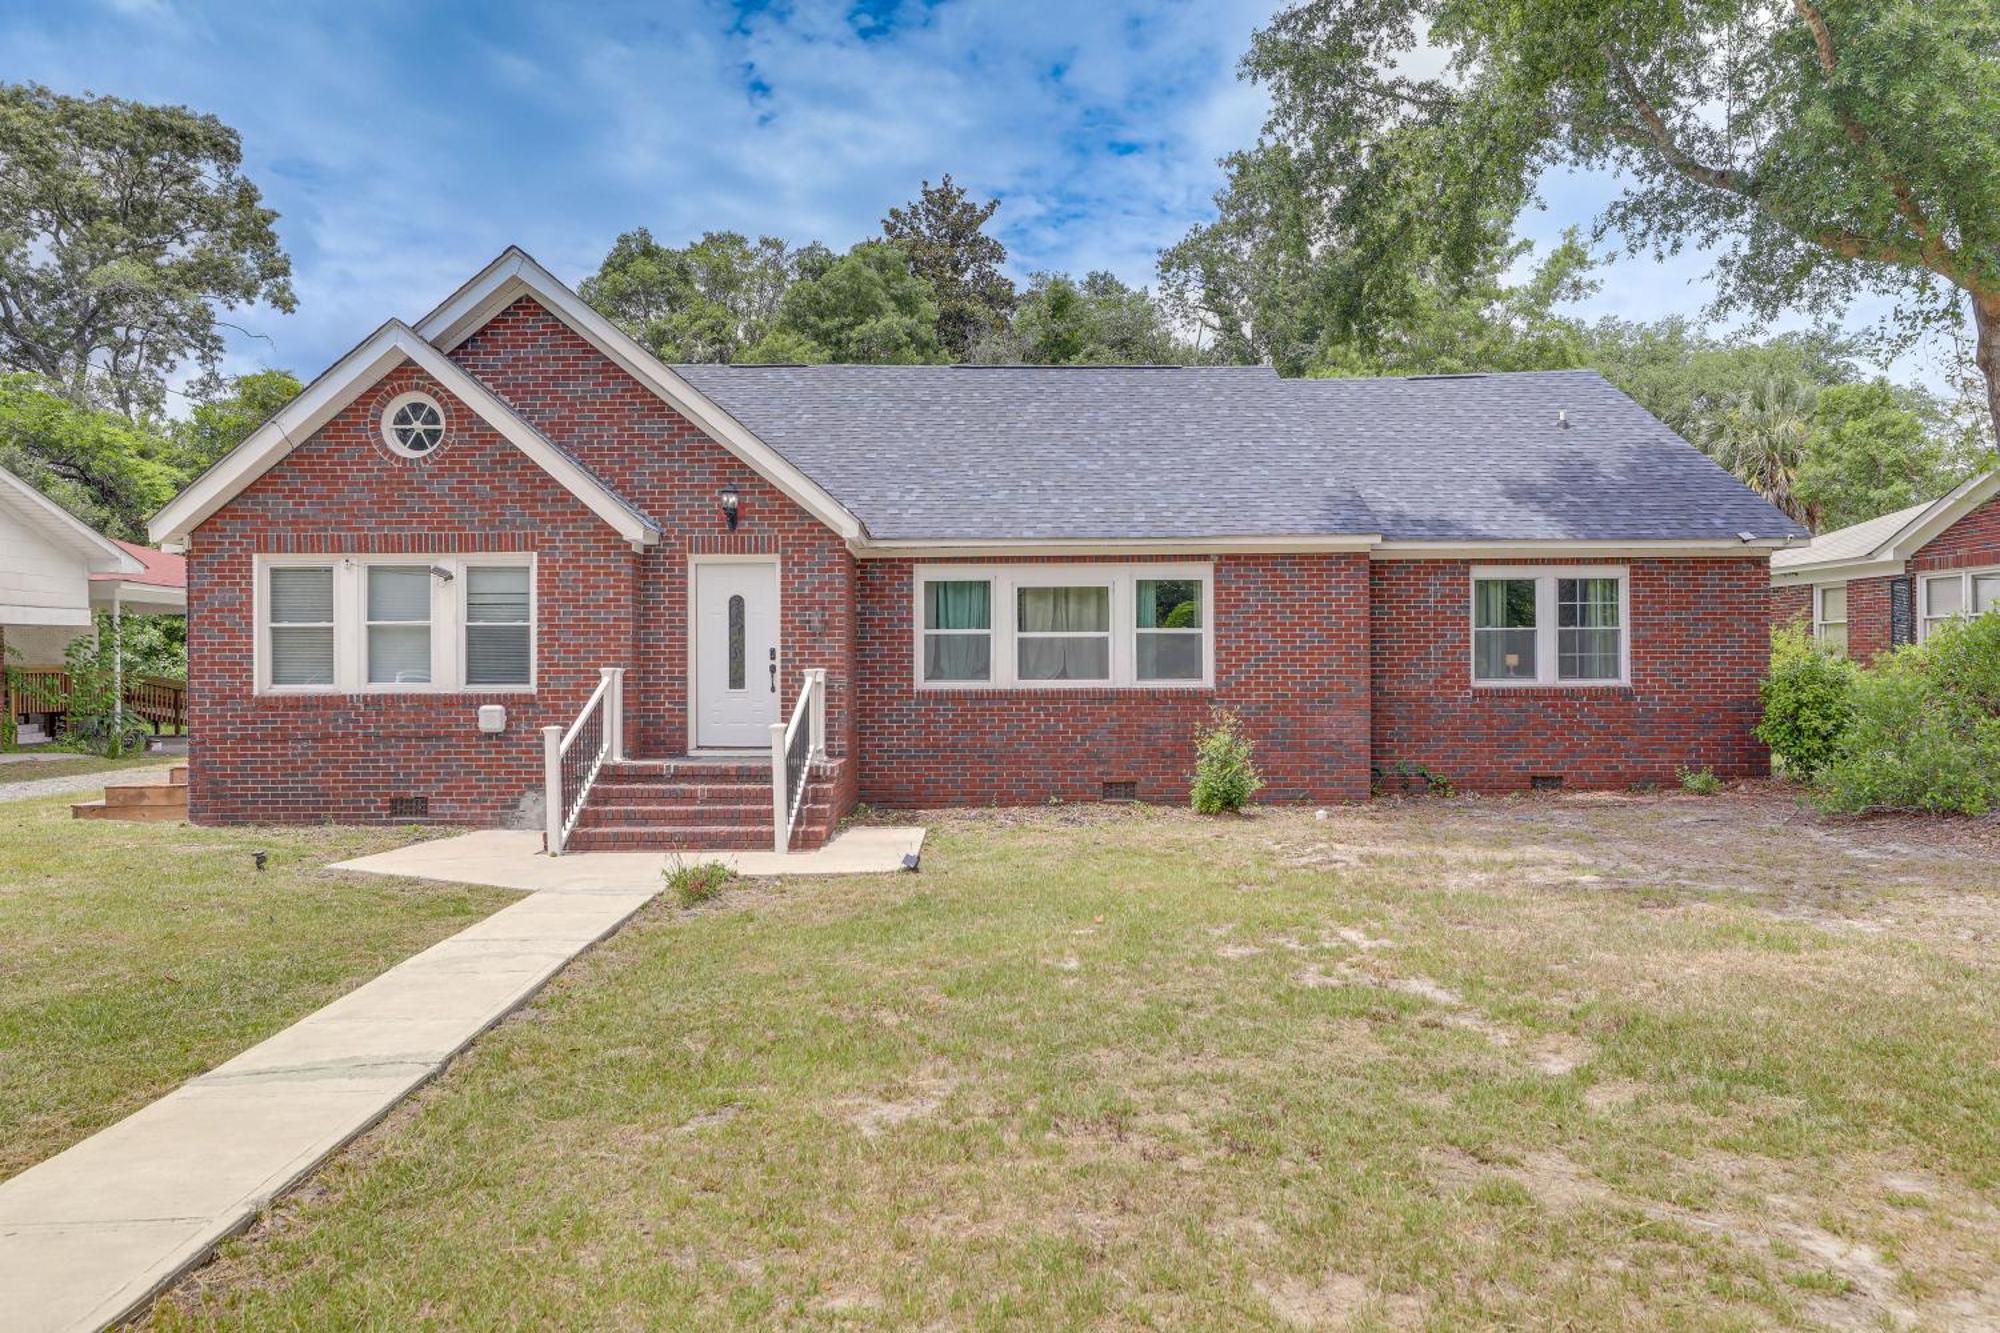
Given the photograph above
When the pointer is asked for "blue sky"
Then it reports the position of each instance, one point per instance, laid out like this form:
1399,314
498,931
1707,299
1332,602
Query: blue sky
405,144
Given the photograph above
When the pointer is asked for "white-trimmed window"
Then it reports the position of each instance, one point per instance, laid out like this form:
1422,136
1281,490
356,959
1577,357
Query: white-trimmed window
404,623
1064,626
1830,617
413,424
1954,596
957,645
1549,625
299,639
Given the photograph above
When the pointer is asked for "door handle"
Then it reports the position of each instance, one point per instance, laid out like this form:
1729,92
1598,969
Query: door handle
774,671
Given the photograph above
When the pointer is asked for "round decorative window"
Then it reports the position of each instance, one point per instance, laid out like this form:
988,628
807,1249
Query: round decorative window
413,424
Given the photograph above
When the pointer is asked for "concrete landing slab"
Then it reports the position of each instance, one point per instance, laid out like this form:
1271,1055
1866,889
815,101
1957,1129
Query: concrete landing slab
90,1235
514,860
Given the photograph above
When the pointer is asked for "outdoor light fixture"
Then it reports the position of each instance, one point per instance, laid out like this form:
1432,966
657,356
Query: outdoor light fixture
441,574
731,502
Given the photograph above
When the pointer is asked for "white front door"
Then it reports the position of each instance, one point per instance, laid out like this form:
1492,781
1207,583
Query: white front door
735,654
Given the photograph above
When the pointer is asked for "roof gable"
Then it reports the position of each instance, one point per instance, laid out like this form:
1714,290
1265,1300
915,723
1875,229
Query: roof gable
388,347
63,529
1881,545
516,274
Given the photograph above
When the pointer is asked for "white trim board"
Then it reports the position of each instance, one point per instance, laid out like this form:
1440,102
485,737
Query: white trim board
385,349
516,274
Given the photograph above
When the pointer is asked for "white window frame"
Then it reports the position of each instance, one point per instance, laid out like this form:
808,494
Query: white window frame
1965,578
1005,581
397,404
1547,660
350,624
1820,622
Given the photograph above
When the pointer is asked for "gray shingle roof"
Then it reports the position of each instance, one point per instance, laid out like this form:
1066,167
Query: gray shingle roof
1849,543
970,453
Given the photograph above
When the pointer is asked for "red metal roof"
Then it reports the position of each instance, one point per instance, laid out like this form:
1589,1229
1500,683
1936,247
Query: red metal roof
162,570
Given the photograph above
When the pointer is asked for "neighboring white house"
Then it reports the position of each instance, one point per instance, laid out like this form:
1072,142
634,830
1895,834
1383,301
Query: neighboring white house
54,571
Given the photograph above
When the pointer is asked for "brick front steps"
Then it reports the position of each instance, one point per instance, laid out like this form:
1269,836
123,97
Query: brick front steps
652,805
146,801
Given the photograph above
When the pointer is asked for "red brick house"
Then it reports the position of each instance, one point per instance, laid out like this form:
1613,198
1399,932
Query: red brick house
505,566
1886,582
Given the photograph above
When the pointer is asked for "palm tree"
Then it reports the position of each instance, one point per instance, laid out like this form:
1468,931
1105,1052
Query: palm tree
1760,435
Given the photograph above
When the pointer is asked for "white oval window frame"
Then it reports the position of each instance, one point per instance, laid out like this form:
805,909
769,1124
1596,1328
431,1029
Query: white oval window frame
397,404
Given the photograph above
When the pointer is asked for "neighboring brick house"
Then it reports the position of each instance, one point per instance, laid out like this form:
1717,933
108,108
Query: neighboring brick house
938,584
1865,589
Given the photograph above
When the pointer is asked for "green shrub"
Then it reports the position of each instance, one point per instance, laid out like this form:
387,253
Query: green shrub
1807,703
699,882
1924,733
1224,777
1699,781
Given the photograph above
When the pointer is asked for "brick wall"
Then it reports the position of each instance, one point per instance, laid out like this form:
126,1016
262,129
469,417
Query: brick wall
1792,602
1291,656
1699,647
293,758
1971,543
341,757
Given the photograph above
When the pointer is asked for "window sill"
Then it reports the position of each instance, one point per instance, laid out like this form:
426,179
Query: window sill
485,693
1067,689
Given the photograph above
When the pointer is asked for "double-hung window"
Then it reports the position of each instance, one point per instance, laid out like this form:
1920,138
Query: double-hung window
958,630
1959,594
1830,617
300,638
399,624
1549,626
1064,626
369,624
1063,633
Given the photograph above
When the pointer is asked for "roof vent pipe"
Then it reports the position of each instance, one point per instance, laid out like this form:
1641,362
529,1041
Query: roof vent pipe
1562,418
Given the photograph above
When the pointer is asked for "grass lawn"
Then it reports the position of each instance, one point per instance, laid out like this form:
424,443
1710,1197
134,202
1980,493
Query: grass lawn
1608,1062
139,955
76,765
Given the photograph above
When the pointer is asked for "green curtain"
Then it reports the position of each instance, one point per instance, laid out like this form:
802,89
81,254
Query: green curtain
1169,604
958,604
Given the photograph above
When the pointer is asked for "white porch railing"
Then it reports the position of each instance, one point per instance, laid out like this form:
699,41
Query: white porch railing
571,758
795,747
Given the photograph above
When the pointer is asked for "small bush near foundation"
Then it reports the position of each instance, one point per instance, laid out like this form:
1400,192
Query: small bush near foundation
1699,781
1224,777
699,882
1925,728
1807,703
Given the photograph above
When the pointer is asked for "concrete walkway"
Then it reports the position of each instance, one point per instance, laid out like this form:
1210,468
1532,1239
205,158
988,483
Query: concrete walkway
512,860
91,1234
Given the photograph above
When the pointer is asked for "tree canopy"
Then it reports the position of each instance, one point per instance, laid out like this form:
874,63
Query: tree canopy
1098,321
865,306
705,301
123,229
1826,147
942,234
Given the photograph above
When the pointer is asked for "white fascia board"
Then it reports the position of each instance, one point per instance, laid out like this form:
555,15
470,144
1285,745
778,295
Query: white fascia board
350,377
943,549
515,274
1836,571
1965,498
1760,549
141,597
101,555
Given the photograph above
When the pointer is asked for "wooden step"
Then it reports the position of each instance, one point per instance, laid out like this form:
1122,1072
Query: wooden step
178,775
155,814
146,793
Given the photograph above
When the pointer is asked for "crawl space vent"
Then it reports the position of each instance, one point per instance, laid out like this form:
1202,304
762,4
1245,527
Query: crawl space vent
1546,782
409,807
1121,791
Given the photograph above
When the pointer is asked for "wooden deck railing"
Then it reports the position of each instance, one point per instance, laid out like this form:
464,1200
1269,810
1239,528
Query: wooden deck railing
158,700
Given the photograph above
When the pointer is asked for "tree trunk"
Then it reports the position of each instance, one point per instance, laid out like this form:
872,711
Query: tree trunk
1986,320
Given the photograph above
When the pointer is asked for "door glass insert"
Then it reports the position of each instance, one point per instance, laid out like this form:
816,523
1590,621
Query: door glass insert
737,654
